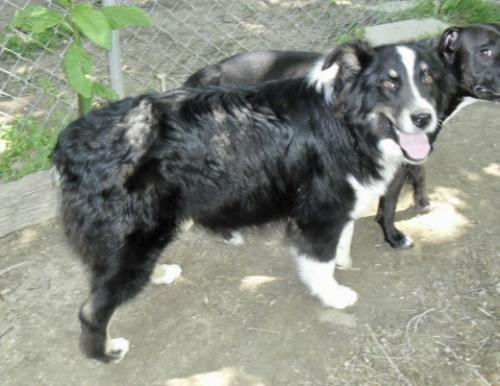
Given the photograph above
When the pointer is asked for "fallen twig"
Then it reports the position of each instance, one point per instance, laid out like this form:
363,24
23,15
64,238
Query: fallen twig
488,314
389,359
448,349
482,344
417,319
8,269
262,330
6,332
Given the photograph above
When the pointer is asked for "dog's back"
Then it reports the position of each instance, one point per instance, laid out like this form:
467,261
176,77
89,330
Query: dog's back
253,67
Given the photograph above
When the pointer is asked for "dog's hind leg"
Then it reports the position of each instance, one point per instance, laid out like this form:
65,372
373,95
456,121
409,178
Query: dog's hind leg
233,237
416,174
387,210
114,281
314,250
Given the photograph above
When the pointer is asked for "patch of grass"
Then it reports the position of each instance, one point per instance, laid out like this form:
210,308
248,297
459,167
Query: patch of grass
458,11
26,44
355,32
26,148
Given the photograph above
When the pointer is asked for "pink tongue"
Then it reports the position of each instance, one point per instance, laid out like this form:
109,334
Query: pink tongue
417,146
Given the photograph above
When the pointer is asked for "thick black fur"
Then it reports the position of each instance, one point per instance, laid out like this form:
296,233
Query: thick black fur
462,50
134,170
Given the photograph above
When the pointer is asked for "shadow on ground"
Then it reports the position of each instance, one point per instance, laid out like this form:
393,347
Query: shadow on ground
239,316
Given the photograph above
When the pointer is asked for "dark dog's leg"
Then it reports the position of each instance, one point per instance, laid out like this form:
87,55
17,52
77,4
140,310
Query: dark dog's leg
115,280
416,175
315,246
232,237
387,209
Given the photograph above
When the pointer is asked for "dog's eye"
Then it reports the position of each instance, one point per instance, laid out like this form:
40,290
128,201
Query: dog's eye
427,78
486,52
388,85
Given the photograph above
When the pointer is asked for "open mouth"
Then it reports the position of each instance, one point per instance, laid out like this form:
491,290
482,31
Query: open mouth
416,147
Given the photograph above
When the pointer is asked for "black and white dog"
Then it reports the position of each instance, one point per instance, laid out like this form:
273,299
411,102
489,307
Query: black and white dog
317,150
471,54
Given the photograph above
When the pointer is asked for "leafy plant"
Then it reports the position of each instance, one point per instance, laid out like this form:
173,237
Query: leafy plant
26,147
355,32
82,20
459,11
23,43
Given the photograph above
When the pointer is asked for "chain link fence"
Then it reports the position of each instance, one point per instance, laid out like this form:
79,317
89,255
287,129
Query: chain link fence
186,35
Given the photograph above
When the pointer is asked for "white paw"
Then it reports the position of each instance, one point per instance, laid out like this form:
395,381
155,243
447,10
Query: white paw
116,349
343,262
407,242
236,239
338,296
166,273
425,209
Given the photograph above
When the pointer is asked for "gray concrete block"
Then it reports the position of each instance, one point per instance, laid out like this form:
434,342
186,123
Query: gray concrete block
403,30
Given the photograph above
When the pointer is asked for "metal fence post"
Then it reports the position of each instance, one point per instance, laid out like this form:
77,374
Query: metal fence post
114,59
437,6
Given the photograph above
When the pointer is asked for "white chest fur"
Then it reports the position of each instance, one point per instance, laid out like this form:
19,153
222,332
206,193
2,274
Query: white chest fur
368,191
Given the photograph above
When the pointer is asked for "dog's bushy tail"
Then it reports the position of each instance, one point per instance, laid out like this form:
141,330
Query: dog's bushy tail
112,141
140,129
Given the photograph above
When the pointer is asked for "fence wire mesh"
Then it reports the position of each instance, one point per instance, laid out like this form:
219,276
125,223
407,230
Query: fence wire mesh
185,36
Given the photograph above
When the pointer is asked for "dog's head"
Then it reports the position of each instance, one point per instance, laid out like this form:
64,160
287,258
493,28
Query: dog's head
473,54
393,95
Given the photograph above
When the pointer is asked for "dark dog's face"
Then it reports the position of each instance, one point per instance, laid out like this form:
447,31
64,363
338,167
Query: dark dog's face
397,91
473,53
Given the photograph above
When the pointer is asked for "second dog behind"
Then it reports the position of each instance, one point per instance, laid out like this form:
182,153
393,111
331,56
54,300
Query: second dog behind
471,54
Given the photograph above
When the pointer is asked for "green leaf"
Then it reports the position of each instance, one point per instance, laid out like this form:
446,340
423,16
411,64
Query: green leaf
77,64
93,24
34,18
104,91
125,16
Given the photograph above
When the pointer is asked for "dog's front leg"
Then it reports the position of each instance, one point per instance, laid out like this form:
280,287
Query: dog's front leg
416,174
387,210
314,251
343,258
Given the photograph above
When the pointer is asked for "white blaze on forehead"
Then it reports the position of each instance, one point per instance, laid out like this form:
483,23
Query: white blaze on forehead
420,104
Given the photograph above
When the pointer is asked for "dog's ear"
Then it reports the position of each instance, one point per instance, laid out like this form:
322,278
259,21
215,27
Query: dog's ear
449,43
495,26
342,66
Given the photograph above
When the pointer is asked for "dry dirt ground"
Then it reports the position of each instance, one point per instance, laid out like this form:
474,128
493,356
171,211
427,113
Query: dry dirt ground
239,315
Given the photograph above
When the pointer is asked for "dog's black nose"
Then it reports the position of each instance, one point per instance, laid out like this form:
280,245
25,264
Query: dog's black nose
421,120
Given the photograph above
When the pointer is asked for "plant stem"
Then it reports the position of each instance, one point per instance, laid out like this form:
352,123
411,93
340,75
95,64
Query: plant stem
84,104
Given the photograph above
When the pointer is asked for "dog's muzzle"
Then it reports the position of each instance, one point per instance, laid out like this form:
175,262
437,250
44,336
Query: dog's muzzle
483,92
